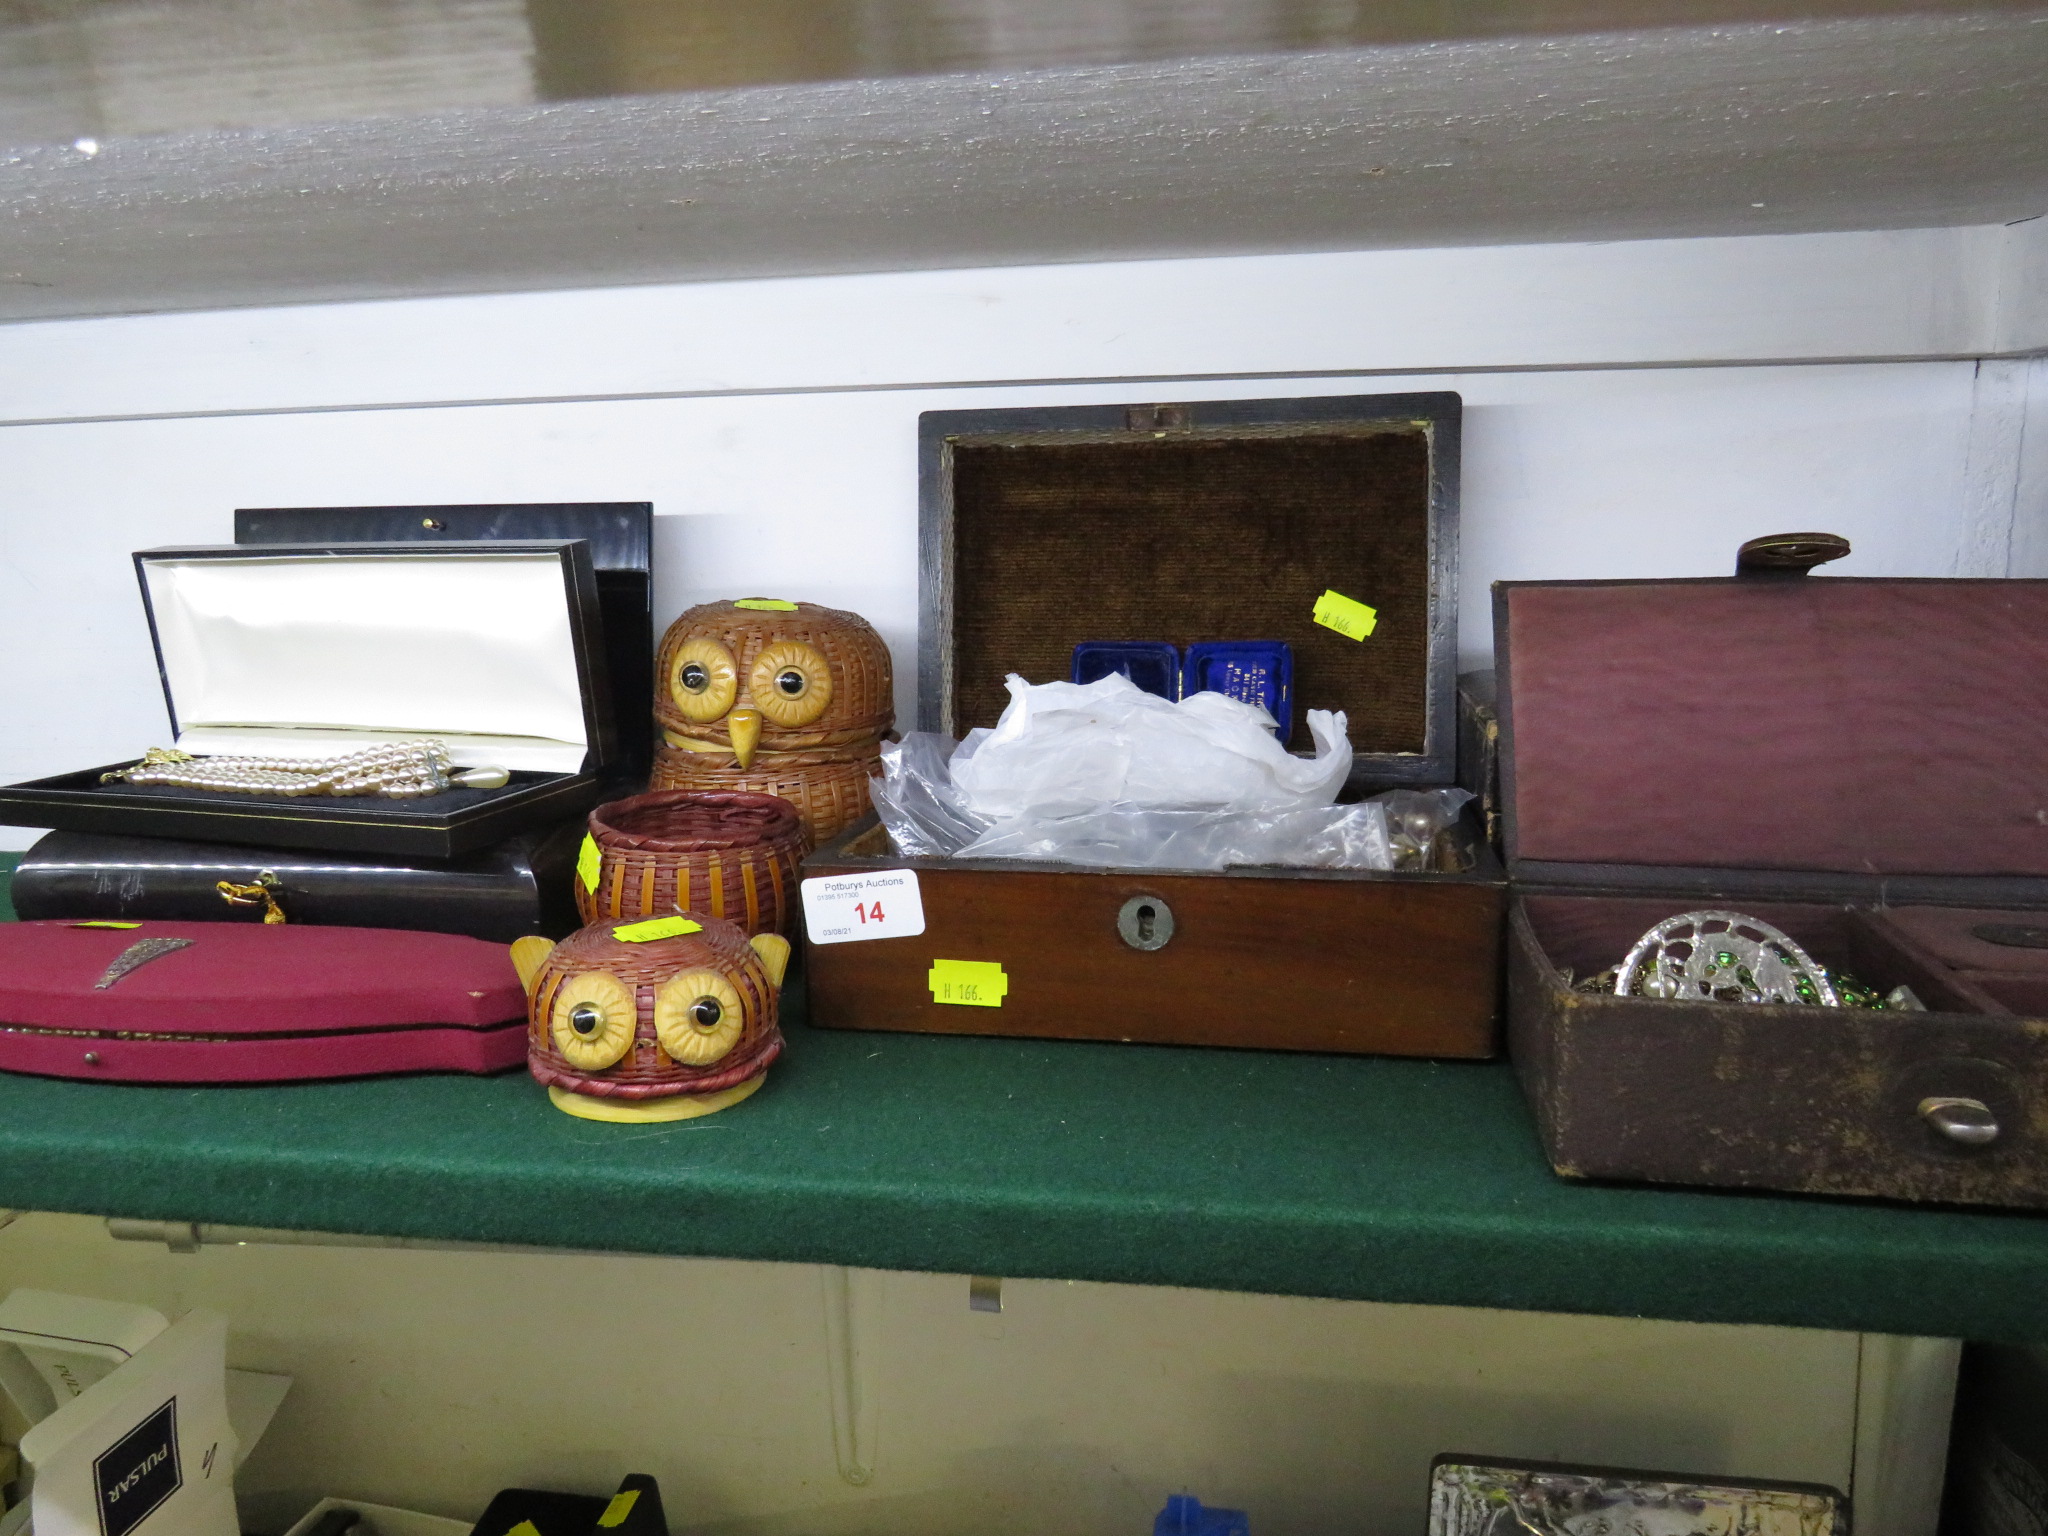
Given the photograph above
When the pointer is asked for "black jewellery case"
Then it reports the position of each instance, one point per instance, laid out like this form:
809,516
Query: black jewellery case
511,888
621,539
1856,761
521,885
495,647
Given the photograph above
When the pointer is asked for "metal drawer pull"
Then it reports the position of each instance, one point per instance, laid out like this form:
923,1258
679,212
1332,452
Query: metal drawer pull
1145,922
1969,1121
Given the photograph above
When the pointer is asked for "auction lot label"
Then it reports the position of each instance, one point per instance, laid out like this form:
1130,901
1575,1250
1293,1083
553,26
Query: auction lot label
845,909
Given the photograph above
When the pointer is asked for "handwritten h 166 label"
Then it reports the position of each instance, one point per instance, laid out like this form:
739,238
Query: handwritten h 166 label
845,909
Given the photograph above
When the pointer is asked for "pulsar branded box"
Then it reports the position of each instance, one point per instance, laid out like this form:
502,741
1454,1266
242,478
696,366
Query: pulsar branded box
146,1451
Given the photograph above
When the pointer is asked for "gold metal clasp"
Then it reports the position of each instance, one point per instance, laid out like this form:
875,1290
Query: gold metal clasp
261,891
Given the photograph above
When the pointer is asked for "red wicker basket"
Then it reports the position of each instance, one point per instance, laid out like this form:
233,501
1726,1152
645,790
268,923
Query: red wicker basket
731,854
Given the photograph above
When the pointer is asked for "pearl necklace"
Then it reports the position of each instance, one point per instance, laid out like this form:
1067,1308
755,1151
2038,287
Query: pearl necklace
396,771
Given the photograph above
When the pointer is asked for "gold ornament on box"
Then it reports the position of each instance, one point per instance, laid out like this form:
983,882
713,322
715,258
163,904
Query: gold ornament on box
776,698
653,1020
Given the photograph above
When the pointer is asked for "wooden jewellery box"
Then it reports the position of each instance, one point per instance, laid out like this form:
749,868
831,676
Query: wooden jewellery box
495,648
1182,523
1856,761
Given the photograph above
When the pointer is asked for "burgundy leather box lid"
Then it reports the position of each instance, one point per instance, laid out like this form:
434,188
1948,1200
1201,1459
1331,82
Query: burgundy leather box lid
254,979
1885,727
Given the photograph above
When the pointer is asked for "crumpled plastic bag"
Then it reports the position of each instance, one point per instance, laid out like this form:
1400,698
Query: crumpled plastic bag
1061,749
916,798
1130,837
924,799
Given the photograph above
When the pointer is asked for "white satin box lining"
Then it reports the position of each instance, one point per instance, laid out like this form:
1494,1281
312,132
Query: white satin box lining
292,655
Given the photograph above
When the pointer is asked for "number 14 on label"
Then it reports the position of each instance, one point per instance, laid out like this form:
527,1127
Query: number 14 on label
849,909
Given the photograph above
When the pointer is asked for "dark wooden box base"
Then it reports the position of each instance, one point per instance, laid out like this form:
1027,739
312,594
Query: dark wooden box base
1301,960
1808,1100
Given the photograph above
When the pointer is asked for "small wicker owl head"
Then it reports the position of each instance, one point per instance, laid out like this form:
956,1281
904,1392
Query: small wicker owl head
763,675
640,1028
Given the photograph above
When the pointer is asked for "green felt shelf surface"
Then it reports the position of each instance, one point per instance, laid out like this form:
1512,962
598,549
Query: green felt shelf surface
1308,1175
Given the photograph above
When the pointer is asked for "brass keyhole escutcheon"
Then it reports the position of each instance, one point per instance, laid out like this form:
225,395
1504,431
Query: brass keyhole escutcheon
1145,922
1969,1122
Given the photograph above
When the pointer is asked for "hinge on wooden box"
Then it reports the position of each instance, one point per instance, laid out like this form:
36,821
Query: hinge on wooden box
1158,418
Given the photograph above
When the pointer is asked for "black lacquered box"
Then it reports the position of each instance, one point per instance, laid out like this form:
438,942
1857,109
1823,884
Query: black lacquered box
495,647
521,885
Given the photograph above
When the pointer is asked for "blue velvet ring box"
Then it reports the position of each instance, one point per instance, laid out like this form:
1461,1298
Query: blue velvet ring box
1259,672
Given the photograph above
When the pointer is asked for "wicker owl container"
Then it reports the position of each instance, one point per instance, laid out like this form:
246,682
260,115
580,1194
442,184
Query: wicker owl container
829,789
815,682
638,974
726,852
861,706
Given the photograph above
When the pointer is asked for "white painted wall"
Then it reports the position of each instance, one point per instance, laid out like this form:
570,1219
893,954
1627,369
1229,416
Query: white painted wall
1633,409
430,1380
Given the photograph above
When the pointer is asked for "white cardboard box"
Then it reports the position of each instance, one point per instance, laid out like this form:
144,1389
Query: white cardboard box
146,1451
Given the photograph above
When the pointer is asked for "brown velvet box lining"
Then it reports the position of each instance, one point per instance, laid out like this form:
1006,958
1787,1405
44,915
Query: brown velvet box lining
1587,934
1870,726
1223,534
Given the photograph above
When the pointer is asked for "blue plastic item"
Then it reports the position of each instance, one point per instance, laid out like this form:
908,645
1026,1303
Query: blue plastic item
1184,1516
1152,664
1259,672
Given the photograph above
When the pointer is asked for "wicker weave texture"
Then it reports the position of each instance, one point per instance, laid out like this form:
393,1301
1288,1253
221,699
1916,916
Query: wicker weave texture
647,1071
730,853
828,788
862,705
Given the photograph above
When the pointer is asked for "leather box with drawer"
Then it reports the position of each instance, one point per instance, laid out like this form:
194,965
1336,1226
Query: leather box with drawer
1858,761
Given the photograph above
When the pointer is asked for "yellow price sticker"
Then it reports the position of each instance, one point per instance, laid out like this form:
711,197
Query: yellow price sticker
973,983
765,605
655,928
588,862
1346,615
106,925
621,1506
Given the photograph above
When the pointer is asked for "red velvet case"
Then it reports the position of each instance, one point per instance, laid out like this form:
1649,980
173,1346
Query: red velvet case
249,1003
1856,760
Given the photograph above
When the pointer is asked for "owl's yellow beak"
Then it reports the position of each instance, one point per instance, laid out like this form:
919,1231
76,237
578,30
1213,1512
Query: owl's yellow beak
744,727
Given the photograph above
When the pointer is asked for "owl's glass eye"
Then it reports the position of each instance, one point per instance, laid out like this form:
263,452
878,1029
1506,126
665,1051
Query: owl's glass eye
698,1018
593,1020
791,682
703,680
